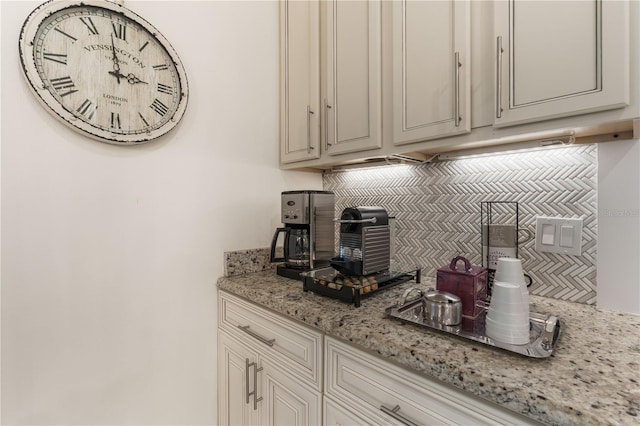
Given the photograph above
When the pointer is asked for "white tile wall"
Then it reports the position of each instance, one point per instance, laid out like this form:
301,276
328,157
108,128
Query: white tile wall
437,209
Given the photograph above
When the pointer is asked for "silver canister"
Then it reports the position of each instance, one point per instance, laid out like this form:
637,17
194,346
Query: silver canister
441,307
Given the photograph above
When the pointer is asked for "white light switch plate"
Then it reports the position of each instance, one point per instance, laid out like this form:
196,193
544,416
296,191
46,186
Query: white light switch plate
567,237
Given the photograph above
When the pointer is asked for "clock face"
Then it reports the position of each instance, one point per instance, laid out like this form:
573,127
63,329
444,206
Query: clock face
103,70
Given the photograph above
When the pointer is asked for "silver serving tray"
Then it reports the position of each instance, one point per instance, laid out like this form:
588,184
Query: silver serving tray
544,328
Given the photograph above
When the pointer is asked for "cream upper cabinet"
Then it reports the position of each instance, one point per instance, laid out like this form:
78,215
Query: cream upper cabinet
560,58
352,76
299,80
431,72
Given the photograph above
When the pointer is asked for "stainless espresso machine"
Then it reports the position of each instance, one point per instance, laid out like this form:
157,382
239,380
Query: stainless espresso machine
308,232
365,241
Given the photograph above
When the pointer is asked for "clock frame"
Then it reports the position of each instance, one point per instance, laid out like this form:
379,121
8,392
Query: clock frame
103,70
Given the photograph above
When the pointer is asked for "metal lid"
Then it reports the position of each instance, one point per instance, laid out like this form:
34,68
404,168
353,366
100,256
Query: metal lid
356,218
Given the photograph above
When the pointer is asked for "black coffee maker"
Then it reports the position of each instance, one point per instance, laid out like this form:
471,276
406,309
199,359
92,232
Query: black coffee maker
308,232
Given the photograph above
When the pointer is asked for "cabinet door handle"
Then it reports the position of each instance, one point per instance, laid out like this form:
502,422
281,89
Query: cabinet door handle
309,113
499,52
393,412
456,111
327,107
246,329
248,365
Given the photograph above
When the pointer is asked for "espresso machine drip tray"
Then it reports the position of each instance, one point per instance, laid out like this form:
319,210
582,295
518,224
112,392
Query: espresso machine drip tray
331,283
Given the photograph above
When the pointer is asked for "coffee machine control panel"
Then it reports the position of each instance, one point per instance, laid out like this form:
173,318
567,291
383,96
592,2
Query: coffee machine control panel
295,208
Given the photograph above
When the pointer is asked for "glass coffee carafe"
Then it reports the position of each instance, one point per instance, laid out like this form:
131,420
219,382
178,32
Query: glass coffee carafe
296,247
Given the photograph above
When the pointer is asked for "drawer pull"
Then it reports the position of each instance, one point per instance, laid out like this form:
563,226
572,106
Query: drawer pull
246,329
393,412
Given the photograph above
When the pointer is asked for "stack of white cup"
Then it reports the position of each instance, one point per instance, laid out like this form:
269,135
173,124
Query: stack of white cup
508,316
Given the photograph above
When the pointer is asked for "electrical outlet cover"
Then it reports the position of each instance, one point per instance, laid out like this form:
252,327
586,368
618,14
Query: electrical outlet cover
567,237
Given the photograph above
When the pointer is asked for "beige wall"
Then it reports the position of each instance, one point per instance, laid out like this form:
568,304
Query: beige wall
110,254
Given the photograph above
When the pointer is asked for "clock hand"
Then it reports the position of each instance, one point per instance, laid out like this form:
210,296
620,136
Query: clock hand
116,62
132,79
118,75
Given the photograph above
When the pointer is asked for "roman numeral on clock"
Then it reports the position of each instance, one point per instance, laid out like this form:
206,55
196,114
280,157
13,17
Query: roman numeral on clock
90,25
55,57
115,120
163,88
143,120
120,31
65,34
87,108
159,107
62,83
162,67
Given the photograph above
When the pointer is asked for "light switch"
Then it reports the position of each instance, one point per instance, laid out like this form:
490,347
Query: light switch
559,235
566,236
548,234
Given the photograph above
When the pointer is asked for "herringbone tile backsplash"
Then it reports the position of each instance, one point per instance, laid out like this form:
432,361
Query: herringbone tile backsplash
437,209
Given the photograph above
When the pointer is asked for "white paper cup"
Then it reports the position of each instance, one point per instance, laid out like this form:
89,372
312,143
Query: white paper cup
508,310
509,317
506,293
508,334
509,270
520,329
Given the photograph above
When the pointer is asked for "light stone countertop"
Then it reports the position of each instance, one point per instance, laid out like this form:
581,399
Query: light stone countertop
593,376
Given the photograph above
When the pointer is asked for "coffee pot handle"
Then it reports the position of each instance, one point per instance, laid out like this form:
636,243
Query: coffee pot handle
272,256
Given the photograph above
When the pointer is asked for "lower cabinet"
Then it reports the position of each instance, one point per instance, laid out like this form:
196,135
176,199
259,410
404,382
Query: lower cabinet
334,414
382,393
287,401
270,372
236,384
254,392
257,385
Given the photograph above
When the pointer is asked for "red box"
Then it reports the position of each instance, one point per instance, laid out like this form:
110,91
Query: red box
467,282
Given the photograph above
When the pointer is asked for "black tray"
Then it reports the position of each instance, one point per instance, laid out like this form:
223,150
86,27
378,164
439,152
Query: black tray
331,283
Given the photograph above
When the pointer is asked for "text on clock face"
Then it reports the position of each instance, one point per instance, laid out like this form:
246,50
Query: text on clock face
124,53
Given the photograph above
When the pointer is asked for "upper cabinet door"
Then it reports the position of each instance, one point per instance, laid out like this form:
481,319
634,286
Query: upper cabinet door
560,58
431,73
299,80
353,71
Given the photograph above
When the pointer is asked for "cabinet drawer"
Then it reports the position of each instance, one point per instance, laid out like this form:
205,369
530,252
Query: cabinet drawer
362,380
296,348
334,414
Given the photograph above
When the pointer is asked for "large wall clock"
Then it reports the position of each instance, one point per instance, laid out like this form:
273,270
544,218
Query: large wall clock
103,70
